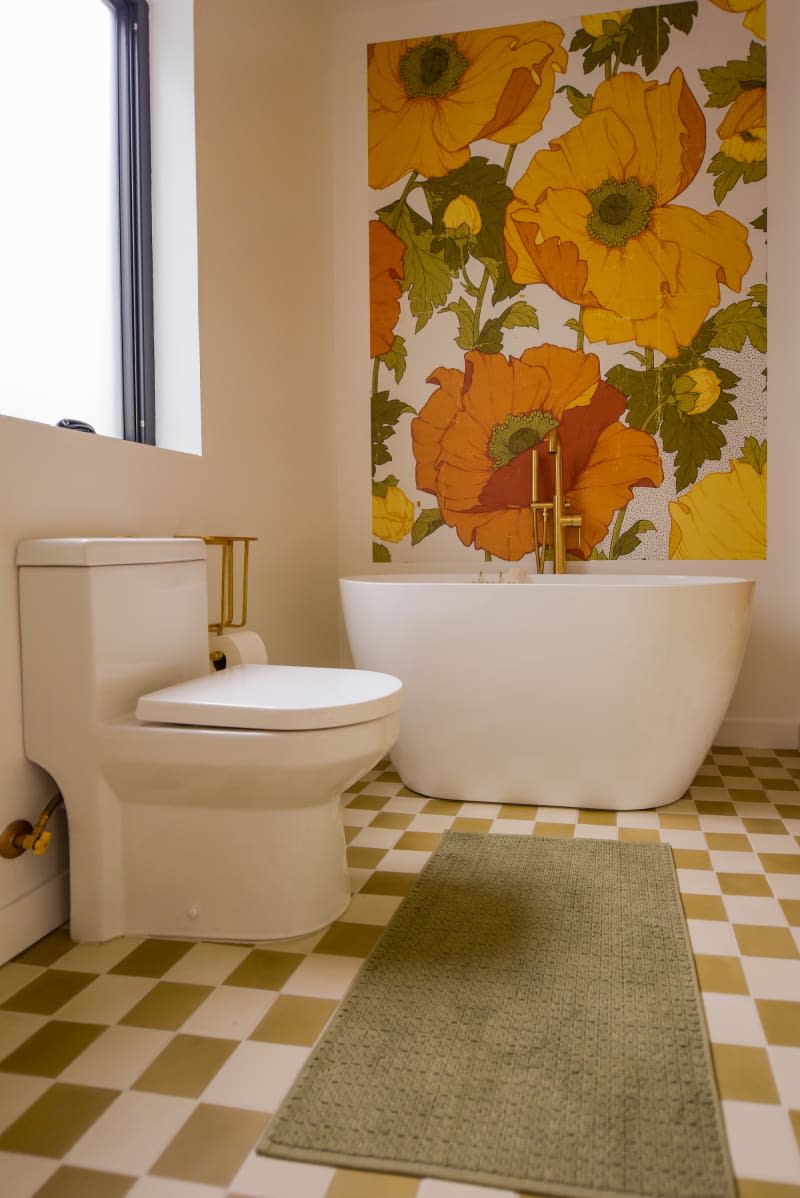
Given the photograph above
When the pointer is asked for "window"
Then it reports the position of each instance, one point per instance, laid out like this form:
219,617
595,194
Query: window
76,289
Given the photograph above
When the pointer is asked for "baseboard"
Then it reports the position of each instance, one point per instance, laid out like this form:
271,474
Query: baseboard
27,919
758,734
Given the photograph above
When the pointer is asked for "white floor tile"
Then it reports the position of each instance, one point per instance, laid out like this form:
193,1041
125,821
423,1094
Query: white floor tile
403,861
772,977
15,1028
256,1076
721,823
698,881
596,832
377,838
479,810
712,936
434,1188
358,877
356,817
166,1187
230,1012
17,1092
762,1143
23,1175
107,999
683,838
431,823
323,975
733,1019
14,976
207,964
512,827
744,908
785,1064
638,819
267,1177
131,1135
382,788
98,958
375,909
405,805
117,1057
774,844
735,863
784,885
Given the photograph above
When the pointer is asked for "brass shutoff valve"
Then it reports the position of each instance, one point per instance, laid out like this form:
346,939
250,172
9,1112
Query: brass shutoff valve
20,837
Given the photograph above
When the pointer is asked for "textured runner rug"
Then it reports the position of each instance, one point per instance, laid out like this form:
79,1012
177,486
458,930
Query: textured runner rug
530,1020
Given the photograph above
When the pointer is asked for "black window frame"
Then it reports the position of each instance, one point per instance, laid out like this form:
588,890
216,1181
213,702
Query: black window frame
135,219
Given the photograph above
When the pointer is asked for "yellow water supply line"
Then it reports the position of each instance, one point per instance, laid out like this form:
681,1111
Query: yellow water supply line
19,836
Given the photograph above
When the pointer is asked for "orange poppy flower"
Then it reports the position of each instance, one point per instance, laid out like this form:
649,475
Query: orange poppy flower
385,272
593,218
755,18
474,438
428,98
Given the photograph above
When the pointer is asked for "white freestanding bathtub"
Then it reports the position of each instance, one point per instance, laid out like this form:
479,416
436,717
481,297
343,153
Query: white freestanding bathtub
562,690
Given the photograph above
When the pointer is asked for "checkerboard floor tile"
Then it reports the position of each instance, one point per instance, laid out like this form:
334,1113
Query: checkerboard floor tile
149,1068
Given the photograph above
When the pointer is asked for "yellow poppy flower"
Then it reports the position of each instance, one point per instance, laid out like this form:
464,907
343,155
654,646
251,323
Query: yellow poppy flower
696,391
462,211
593,218
723,517
755,14
594,24
744,129
428,98
475,437
392,515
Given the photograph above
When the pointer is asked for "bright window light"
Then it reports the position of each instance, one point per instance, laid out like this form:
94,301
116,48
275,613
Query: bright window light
60,348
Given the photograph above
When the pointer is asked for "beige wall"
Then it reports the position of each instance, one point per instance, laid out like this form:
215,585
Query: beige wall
766,706
268,408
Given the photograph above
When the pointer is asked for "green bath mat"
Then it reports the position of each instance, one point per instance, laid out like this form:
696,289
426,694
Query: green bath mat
530,1020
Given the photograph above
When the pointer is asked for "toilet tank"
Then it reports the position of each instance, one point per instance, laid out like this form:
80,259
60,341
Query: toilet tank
103,621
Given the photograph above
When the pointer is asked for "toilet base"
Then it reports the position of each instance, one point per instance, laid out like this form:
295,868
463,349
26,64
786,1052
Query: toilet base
246,875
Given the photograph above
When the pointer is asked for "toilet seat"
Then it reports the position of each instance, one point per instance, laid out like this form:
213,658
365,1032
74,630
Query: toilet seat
274,698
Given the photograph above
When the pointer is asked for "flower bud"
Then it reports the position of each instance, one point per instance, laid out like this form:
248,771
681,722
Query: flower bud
392,515
696,391
593,24
462,211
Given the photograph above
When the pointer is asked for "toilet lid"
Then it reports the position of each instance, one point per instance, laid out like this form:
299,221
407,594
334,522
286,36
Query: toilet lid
278,698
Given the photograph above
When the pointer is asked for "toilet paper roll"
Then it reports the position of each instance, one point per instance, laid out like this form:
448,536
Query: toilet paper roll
240,648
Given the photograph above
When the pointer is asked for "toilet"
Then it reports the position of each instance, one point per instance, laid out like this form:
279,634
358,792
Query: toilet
199,804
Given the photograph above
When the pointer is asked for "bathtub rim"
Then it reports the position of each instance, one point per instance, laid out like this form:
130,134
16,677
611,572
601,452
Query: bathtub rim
623,581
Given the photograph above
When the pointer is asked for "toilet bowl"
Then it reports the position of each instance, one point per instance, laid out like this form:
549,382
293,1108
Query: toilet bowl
198,804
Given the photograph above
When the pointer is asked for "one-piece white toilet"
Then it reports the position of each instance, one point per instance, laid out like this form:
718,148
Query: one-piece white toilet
198,804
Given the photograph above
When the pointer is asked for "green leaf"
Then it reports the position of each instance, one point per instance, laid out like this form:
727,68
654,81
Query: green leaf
579,102
761,221
426,276
758,294
598,555
573,324
694,440
645,392
466,323
728,172
755,454
380,553
734,324
631,538
490,338
395,358
379,489
647,30
384,415
520,315
724,84
427,521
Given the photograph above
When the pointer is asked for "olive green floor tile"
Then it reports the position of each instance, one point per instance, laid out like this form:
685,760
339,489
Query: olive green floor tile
466,824
390,776
703,906
357,1183
756,940
743,1073
441,807
791,909
294,1019
49,991
710,781
70,1182
711,807
684,821
152,958
649,835
605,818
779,784
349,939
405,793
167,1006
720,975
517,811
186,1066
57,1120
691,859
359,857
764,827
728,842
388,882
765,1189
751,885
795,1120
263,969
211,1146
780,1020
544,828
52,1048
735,771
47,950
419,842
780,863
391,819
368,802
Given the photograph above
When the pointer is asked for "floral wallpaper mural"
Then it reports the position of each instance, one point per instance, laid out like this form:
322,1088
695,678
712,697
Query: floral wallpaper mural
568,238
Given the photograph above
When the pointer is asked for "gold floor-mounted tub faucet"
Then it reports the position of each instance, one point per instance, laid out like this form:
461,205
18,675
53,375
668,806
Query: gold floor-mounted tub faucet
555,510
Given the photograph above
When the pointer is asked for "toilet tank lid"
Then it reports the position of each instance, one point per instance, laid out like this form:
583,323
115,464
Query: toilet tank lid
108,551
